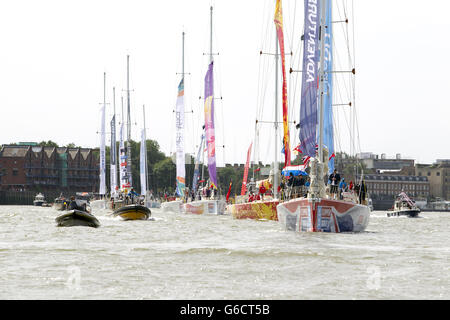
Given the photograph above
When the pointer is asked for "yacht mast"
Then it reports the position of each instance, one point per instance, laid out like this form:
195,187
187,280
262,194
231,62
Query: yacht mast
102,190
128,124
210,60
211,36
145,155
321,76
275,164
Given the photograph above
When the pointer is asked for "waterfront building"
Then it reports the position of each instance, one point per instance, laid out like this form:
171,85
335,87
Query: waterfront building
382,164
383,188
438,174
29,167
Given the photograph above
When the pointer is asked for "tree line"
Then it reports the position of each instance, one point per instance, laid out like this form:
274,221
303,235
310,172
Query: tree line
162,169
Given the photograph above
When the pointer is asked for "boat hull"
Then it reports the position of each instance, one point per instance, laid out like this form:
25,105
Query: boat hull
133,212
258,210
323,215
60,206
98,204
153,204
172,206
409,213
75,218
214,207
38,203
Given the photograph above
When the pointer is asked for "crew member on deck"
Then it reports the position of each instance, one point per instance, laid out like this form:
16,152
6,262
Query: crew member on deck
262,191
334,182
132,194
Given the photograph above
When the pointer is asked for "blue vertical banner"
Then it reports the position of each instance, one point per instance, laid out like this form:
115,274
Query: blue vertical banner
328,137
311,55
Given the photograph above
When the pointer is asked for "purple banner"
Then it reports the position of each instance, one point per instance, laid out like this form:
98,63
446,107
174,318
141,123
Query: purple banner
209,125
311,54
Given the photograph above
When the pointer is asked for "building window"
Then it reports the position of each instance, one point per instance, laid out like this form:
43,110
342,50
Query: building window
429,173
15,172
438,173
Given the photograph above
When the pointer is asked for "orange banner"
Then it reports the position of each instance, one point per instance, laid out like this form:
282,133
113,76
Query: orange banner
278,19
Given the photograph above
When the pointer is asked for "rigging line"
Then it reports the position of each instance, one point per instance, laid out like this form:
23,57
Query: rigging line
354,62
293,25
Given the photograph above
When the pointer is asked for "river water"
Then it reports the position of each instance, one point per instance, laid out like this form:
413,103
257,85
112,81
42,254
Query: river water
179,256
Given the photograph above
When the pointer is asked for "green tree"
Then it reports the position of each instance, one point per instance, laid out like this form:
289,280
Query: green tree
165,175
49,143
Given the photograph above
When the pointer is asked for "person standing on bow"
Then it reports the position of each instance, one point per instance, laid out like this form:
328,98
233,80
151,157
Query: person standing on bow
334,179
262,190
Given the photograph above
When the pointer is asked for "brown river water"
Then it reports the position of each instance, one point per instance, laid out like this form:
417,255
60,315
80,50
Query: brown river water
180,256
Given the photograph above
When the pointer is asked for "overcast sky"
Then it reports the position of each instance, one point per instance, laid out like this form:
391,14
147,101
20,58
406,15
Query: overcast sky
54,53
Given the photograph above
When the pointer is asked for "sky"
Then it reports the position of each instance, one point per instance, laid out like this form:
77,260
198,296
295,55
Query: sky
54,54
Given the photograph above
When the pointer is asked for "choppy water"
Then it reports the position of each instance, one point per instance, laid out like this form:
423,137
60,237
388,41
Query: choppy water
217,257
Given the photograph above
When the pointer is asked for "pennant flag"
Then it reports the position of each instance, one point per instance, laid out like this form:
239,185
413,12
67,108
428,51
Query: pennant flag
244,179
297,148
229,190
331,157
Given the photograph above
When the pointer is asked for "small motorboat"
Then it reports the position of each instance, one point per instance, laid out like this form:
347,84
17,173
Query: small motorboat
60,203
133,212
39,200
404,206
76,217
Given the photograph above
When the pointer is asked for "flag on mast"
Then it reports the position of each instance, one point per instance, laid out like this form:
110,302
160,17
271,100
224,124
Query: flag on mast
244,179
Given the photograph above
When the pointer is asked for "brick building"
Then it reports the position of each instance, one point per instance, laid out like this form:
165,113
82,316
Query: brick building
32,167
439,176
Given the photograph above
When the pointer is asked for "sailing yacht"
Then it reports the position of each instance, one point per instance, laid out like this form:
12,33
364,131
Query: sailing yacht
101,203
129,208
319,211
265,207
176,205
212,204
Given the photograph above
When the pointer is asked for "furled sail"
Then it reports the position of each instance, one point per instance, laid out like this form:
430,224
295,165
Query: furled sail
209,125
143,164
181,170
113,160
102,190
123,162
311,55
278,19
